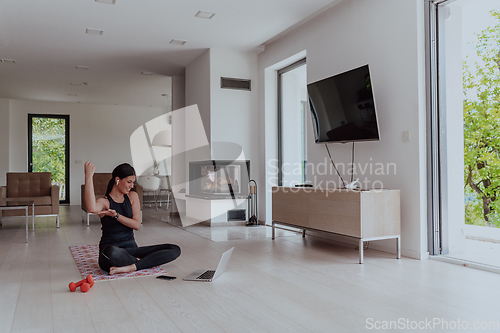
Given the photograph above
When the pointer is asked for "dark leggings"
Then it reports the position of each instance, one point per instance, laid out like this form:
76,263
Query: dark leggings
151,256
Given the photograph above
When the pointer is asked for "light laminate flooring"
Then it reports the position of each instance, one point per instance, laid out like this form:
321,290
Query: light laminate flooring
226,233
292,284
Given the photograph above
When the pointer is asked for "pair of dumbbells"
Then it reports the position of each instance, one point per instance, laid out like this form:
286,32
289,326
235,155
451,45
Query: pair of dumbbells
84,285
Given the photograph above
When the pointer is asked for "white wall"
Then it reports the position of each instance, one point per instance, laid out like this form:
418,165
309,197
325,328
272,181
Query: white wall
197,94
233,113
4,139
178,168
198,88
230,117
178,92
387,35
98,133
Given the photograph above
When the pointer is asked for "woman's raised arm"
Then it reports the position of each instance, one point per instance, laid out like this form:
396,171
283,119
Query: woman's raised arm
92,206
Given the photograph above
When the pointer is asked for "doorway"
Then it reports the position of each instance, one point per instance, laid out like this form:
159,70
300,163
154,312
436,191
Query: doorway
465,130
48,149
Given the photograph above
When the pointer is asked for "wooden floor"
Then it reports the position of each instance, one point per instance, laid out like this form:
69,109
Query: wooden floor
287,285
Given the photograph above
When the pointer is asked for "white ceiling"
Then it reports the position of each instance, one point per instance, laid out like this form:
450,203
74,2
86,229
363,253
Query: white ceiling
47,40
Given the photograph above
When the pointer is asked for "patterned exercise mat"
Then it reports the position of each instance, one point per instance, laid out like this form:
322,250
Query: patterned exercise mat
86,257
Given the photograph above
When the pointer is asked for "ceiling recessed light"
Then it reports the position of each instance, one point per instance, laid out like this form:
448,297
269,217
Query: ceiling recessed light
95,32
177,42
10,61
72,95
109,2
83,68
205,15
146,73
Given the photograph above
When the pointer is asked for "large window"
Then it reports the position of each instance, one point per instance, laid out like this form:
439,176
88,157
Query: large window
465,128
49,149
292,111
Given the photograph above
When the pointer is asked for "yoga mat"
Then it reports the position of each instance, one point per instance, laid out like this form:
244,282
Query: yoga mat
86,257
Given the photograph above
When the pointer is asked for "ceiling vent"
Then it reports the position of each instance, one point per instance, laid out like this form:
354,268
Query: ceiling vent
10,61
109,2
82,68
205,15
239,84
95,32
177,42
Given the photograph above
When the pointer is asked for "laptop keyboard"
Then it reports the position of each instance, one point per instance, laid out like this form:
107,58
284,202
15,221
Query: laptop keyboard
206,275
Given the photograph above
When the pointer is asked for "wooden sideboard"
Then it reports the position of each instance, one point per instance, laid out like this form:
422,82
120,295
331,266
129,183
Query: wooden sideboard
365,215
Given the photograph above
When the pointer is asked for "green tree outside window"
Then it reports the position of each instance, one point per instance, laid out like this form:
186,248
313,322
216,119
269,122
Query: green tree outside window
481,110
48,147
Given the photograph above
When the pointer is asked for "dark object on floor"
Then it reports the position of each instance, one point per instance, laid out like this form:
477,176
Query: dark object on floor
166,277
253,220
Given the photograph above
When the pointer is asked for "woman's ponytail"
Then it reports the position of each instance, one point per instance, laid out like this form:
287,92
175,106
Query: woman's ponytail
110,187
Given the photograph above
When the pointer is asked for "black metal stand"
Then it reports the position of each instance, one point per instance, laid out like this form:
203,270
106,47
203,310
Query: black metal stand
253,220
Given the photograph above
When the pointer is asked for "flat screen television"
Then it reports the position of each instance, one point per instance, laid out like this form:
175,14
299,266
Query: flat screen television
343,107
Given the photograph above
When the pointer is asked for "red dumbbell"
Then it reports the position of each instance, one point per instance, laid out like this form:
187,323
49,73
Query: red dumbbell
89,281
85,287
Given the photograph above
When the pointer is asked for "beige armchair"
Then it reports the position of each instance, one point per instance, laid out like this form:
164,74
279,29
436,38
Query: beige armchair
31,186
101,181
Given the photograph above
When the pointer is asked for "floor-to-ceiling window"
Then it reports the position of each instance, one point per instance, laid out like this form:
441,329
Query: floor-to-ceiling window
465,129
48,139
292,112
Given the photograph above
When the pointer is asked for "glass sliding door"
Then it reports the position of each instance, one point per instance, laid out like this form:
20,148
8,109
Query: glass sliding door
292,111
465,130
48,139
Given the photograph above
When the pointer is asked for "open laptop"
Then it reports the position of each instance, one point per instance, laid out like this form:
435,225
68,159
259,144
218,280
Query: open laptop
207,275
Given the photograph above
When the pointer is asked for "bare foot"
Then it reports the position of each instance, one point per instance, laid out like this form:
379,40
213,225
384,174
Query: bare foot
124,269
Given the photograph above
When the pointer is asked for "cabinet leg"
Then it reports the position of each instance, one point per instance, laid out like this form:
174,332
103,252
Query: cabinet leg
273,234
399,247
360,251
27,225
303,232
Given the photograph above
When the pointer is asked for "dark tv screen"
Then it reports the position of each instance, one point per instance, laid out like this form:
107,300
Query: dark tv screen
343,108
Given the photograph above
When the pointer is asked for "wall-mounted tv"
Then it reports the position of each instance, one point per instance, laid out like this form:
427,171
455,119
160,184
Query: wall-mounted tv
343,107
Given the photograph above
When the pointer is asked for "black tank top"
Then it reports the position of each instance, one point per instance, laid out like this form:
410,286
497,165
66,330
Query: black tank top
114,232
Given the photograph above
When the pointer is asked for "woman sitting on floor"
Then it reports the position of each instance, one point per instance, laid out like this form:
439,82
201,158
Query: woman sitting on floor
120,215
